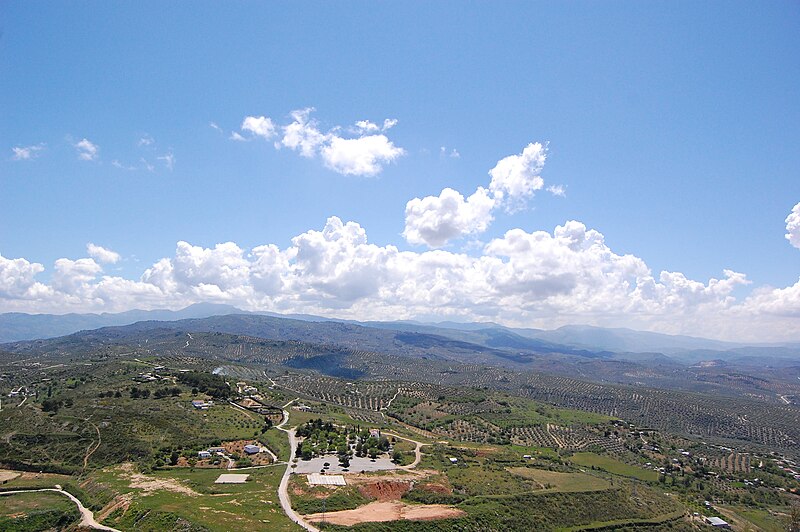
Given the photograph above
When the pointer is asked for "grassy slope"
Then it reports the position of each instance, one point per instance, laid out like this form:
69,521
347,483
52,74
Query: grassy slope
545,511
606,463
218,507
36,511
558,481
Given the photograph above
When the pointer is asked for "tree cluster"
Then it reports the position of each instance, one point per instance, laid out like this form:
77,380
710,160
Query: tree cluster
208,383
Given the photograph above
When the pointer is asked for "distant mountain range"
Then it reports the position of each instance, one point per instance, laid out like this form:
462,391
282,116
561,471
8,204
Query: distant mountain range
414,352
16,326
576,340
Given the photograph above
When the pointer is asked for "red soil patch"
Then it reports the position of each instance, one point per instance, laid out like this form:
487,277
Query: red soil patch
384,490
436,488
387,511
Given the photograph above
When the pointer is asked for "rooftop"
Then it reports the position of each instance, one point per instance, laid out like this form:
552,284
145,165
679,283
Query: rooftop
316,479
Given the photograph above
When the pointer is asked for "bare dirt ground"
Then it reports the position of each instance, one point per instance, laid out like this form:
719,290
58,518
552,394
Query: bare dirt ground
383,490
120,502
205,464
388,489
381,511
150,484
6,475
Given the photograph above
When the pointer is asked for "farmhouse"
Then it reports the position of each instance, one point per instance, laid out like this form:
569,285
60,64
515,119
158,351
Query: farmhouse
375,433
204,454
216,450
252,449
255,404
315,479
717,522
202,405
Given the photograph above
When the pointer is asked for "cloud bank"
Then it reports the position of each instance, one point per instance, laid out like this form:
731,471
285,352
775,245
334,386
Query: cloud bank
524,278
538,278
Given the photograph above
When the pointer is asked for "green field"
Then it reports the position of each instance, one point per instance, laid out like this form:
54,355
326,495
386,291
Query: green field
278,442
763,519
34,480
557,481
216,507
549,510
611,465
477,481
36,511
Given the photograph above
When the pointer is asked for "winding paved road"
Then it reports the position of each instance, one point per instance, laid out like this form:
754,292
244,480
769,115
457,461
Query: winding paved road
87,517
283,489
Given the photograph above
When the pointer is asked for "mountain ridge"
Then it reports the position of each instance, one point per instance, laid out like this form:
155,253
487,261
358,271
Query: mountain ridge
570,339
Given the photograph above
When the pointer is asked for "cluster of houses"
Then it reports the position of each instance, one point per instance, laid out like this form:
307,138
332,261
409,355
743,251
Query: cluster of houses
789,466
154,375
211,451
245,389
22,391
254,403
249,449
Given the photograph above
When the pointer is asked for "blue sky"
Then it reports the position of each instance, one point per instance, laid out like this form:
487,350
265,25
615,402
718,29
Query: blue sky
671,128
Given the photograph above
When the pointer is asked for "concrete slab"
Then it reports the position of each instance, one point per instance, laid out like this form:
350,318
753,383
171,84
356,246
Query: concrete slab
231,478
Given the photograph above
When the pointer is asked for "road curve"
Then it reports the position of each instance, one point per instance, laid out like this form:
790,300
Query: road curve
417,450
87,517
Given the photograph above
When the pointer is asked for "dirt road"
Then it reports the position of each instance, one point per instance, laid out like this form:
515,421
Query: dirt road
417,450
87,517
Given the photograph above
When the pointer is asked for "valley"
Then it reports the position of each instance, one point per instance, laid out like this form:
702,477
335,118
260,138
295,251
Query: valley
139,421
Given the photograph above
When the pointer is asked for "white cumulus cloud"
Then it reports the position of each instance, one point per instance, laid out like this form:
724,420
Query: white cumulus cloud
224,266
87,150
101,254
302,134
434,220
17,278
793,226
516,177
531,279
260,126
73,277
363,154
